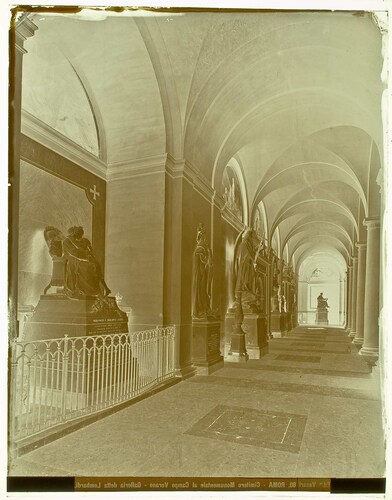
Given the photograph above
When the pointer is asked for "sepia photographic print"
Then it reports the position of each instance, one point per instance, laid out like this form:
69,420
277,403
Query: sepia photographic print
197,245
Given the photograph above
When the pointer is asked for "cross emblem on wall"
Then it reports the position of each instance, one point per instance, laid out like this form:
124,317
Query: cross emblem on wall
94,192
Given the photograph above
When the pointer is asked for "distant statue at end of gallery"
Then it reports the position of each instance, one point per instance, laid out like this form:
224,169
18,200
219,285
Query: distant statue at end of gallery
322,310
202,277
322,303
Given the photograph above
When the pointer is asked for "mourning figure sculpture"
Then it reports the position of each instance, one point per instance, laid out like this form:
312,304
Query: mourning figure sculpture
75,267
83,276
54,240
202,277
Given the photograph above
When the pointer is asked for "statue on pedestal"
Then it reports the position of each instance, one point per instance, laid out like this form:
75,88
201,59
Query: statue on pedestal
80,304
202,277
245,270
322,303
75,268
322,310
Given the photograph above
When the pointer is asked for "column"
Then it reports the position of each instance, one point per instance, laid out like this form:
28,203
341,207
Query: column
341,301
371,310
20,31
348,298
358,340
353,330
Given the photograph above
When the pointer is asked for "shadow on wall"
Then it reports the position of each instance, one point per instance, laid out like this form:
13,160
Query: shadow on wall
45,200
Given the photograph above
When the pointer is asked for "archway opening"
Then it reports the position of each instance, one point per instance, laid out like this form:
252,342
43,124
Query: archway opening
324,273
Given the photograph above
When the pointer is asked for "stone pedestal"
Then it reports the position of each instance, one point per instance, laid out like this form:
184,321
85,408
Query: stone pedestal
206,355
322,317
237,351
57,315
278,325
254,326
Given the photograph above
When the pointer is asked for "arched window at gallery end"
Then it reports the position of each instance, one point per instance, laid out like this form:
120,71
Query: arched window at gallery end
198,244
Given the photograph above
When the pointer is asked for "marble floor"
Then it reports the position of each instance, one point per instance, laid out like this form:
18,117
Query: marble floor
309,408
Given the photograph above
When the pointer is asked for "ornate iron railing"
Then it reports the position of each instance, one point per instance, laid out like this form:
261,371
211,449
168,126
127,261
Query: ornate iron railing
58,380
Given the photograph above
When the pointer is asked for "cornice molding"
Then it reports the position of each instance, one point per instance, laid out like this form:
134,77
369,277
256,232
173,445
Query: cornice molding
181,168
219,201
175,167
199,181
149,165
40,132
371,222
232,220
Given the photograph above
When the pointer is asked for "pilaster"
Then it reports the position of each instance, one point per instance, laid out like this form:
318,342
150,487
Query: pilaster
21,30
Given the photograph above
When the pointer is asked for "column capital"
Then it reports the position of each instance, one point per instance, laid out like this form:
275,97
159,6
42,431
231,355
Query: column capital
361,248
24,29
371,222
354,258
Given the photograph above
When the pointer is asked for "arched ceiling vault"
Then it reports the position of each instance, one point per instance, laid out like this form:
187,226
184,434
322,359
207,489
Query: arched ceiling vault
326,243
321,259
315,226
320,252
294,98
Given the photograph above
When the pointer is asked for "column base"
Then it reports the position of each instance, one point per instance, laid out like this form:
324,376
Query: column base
278,335
185,372
209,367
278,325
370,355
352,334
257,352
237,357
358,342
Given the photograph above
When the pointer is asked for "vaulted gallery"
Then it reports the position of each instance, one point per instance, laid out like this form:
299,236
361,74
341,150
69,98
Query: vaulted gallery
227,170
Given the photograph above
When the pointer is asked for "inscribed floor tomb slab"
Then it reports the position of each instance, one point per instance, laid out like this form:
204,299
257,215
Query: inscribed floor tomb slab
279,431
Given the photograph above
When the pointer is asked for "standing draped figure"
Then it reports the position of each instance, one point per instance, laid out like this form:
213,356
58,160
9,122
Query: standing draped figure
245,269
202,276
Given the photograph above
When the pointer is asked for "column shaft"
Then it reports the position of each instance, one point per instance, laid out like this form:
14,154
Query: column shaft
353,330
360,293
348,299
371,310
